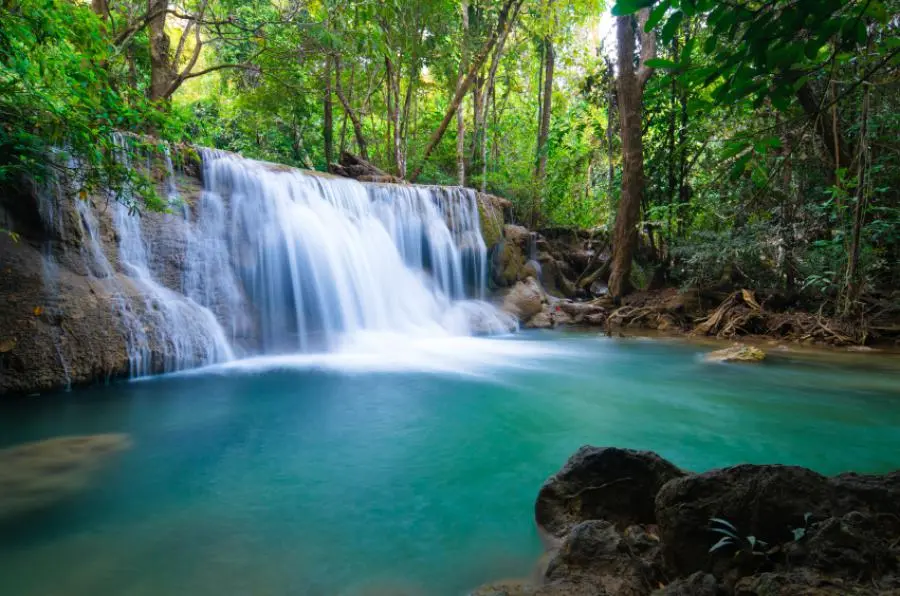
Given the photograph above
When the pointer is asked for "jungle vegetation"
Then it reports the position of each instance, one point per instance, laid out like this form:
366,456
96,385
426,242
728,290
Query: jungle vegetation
753,142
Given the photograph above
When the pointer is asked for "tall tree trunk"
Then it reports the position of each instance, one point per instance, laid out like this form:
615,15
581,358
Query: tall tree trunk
490,97
611,107
540,173
328,115
859,211
348,109
479,96
101,8
162,71
393,107
630,95
828,128
460,113
502,22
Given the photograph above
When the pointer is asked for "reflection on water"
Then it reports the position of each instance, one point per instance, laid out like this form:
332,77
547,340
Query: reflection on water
399,466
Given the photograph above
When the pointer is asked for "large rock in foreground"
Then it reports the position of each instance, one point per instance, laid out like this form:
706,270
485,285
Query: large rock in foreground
37,475
766,502
607,483
788,530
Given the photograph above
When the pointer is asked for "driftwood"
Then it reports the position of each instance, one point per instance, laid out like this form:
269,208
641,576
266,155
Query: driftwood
353,166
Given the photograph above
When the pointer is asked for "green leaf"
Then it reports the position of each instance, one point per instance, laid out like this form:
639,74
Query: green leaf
656,16
739,167
627,7
721,544
732,149
661,63
763,145
722,522
671,26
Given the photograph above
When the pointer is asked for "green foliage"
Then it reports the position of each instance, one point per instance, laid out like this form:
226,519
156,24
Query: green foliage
59,103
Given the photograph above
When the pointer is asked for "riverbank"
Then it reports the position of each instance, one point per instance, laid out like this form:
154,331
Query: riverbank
625,522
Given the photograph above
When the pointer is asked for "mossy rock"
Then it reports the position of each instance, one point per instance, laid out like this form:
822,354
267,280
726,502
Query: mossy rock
491,223
737,353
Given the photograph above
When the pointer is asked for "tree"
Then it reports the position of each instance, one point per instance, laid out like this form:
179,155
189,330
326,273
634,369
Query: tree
630,84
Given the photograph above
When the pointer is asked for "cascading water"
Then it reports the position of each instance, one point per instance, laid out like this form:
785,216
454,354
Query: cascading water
321,259
270,260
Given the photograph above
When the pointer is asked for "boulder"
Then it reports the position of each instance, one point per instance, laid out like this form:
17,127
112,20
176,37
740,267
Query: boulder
524,300
584,313
856,546
769,503
36,475
542,320
509,587
551,316
596,556
737,353
697,584
803,582
603,483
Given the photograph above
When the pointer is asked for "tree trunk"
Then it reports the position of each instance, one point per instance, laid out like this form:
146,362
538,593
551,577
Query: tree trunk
828,128
460,115
490,98
328,132
476,64
859,211
630,96
101,8
354,117
540,173
162,71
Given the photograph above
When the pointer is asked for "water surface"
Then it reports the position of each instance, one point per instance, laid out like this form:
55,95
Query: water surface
400,466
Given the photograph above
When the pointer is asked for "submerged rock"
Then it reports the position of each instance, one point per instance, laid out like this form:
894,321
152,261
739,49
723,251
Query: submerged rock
524,300
606,483
737,353
37,475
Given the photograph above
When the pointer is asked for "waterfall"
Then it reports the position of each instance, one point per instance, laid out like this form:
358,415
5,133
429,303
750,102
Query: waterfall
267,260
319,259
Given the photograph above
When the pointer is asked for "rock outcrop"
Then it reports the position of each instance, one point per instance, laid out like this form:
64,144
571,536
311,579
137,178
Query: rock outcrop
37,475
607,483
629,523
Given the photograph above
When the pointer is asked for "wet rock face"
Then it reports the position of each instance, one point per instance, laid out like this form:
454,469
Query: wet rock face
607,483
37,475
510,257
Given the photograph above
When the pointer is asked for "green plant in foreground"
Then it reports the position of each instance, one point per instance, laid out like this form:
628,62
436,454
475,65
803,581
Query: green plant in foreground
747,544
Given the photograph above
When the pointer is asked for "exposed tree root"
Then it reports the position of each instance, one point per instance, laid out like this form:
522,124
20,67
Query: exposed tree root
742,314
